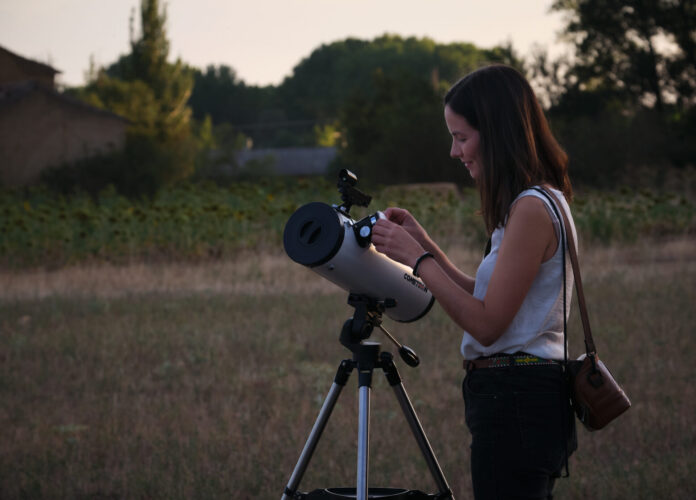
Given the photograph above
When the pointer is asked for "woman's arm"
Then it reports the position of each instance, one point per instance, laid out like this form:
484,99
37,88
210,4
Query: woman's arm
404,219
529,237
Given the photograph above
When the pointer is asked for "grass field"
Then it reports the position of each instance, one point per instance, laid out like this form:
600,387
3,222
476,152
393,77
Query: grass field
202,380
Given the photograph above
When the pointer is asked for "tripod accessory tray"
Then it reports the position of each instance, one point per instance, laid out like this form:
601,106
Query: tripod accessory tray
372,494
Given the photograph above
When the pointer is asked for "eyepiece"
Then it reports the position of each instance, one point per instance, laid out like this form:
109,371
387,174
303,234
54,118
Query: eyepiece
349,193
347,177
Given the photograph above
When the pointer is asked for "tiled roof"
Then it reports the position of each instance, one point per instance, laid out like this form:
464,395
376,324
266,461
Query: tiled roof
31,66
15,92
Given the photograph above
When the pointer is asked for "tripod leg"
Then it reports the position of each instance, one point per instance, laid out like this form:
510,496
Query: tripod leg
340,380
415,425
363,441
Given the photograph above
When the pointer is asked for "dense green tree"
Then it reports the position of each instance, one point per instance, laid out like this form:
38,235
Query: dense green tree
392,126
306,106
395,133
251,110
152,94
218,93
321,82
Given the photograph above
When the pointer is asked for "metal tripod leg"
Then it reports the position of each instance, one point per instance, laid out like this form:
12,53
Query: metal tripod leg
407,408
329,403
363,441
366,359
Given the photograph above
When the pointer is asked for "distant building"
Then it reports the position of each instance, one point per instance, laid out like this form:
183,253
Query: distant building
42,128
290,161
14,68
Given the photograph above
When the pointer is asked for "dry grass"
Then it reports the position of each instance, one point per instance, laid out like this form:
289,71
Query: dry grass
203,381
248,274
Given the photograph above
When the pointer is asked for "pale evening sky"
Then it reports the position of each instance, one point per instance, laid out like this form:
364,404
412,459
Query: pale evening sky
262,40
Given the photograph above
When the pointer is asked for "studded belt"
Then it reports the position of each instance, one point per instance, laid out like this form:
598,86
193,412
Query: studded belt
506,360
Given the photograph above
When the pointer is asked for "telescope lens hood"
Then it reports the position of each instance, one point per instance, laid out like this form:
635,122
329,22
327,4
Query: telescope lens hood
313,234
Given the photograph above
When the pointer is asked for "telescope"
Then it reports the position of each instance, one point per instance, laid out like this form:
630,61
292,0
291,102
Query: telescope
327,240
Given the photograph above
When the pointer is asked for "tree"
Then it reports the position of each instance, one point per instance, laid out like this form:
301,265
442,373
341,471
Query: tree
395,132
392,126
323,81
153,95
304,109
220,94
625,99
640,50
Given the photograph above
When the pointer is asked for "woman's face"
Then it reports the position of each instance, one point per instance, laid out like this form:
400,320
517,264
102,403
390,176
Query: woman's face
465,142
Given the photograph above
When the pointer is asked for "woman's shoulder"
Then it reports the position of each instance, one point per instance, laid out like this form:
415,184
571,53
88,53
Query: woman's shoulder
529,207
540,191
541,195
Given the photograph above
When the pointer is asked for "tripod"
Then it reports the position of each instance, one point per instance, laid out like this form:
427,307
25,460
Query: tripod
366,357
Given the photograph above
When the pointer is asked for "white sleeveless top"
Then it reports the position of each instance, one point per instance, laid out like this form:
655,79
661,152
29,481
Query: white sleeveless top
537,328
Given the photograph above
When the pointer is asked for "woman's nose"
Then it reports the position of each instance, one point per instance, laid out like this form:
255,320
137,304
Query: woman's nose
454,152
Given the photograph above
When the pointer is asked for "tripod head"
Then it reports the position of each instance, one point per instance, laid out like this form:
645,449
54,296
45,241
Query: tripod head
367,316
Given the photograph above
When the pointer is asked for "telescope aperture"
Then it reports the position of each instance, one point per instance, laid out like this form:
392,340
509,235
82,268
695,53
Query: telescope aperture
313,234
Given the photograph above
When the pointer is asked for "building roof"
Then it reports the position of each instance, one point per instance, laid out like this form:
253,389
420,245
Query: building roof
29,66
292,161
13,93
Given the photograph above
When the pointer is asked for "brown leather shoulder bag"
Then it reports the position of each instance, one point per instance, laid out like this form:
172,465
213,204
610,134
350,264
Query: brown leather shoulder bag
597,398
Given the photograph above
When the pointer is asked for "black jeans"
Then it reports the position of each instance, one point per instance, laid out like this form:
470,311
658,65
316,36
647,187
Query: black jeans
521,426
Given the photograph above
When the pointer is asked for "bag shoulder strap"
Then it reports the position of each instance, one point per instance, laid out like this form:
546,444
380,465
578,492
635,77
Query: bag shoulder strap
589,341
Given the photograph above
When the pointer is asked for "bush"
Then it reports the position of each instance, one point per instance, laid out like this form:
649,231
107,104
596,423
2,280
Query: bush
608,144
140,169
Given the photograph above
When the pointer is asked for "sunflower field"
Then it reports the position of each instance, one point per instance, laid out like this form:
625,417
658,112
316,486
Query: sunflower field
204,220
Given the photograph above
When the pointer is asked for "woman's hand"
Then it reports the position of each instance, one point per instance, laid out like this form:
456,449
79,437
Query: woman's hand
407,221
396,242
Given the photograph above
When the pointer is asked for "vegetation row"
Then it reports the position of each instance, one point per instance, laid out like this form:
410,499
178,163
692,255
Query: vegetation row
206,220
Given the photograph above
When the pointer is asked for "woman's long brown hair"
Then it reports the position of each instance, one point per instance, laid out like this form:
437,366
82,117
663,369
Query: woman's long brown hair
517,148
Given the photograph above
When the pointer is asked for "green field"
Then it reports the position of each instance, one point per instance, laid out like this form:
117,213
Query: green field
136,371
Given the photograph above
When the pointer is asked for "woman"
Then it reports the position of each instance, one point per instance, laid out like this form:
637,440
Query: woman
512,311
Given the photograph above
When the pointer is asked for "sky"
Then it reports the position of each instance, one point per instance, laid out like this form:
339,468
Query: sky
262,40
